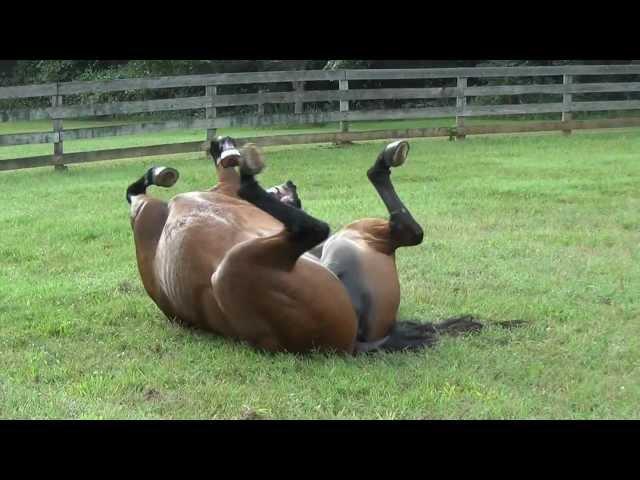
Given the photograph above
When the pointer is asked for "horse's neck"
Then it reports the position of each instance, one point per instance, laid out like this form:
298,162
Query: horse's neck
228,181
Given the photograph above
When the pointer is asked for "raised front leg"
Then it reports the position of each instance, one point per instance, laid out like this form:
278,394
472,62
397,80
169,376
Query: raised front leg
160,176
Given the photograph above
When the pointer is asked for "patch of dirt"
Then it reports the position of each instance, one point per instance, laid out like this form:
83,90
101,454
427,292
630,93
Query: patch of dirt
341,144
249,413
126,287
151,394
509,324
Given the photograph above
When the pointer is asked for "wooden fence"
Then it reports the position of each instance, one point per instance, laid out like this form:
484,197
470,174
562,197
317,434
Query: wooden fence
465,95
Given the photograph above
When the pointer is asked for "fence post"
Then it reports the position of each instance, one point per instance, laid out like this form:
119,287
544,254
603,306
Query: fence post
566,102
260,105
461,103
344,106
298,106
210,113
58,150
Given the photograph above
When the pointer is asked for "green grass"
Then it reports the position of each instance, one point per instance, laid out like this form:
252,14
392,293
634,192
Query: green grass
537,227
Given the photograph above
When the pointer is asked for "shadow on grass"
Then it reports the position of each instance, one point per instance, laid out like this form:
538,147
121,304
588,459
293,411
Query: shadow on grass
406,336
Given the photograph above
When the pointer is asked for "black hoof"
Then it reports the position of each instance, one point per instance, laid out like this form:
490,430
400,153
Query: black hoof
395,154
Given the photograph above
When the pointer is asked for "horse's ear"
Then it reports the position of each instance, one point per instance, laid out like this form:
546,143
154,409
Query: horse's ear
216,148
290,184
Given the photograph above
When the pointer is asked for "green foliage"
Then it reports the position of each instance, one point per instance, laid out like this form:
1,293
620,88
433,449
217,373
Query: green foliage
44,71
542,98
47,71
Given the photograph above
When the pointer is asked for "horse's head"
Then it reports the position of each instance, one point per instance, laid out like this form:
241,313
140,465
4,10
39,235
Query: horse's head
287,193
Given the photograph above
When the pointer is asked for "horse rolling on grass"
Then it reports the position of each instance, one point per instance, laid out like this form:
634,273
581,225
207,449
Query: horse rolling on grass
250,264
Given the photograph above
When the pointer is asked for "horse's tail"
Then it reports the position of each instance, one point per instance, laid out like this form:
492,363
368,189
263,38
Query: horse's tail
408,335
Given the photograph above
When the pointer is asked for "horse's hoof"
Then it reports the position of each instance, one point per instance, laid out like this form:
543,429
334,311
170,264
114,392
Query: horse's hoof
395,154
252,161
164,176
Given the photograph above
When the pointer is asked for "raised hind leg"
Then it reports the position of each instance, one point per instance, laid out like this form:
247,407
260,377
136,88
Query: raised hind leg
362,254
148,217
404,231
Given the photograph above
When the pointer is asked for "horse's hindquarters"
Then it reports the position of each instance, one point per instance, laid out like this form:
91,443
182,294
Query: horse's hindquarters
357,256
279,309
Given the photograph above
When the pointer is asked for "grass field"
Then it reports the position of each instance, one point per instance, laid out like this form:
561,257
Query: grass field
543,228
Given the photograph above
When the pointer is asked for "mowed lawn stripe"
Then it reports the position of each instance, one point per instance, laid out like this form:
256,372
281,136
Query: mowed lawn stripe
542,228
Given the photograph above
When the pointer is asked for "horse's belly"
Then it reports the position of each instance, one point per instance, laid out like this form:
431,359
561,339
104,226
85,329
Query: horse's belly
189,251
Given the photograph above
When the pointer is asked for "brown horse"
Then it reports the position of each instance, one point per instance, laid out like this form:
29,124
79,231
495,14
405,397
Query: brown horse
250,264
